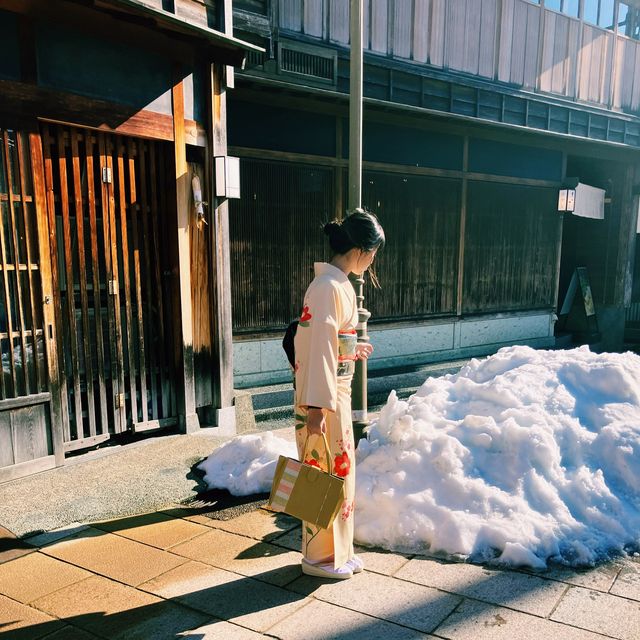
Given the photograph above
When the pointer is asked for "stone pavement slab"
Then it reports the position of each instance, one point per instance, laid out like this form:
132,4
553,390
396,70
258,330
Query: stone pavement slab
290,540
600,612
627,583
515,590
599,578
33,576
12,547
474,620
377,560
243,555
405,603
228,596
49,537
115,611
113,556
324,621
71,633
380,561
154,529
220,631
23,622
260,524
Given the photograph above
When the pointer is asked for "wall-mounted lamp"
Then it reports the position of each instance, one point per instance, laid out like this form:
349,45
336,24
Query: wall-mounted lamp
227,177
567,200
197,199
582,200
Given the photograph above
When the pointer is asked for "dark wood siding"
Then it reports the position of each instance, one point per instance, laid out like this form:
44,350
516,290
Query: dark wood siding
510,243
275,238
417,267
510,248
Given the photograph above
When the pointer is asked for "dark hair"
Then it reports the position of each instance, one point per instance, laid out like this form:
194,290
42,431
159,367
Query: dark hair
360,229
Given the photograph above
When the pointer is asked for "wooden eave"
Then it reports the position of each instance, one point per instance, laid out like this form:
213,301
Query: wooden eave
129,21
219,46
336,102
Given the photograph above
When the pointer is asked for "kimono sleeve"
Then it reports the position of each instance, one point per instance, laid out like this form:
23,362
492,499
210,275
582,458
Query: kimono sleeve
321,357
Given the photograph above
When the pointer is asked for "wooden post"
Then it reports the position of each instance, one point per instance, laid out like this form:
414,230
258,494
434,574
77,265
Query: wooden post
220,77
45,245
185,384
221,260
626,237
463,226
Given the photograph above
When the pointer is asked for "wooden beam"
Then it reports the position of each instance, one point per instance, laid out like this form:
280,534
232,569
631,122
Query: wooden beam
315,99
28,102
189,421
285,156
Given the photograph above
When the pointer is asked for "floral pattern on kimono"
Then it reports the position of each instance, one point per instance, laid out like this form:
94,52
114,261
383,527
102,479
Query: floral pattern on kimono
325,346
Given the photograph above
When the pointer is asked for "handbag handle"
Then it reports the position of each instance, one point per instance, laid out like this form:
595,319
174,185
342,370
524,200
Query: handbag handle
326,448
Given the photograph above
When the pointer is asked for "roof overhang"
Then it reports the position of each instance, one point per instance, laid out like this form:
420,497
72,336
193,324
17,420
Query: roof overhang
217,46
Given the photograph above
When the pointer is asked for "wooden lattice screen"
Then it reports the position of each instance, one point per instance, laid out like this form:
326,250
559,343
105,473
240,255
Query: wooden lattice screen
21,318
114,304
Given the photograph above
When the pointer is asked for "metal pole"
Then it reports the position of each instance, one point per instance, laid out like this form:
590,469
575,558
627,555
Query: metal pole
359,384
355,107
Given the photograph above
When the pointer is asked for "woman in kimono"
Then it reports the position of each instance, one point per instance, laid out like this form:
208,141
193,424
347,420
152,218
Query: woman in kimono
326,349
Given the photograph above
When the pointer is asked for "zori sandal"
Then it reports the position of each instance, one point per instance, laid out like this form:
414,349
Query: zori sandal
327,570
356,564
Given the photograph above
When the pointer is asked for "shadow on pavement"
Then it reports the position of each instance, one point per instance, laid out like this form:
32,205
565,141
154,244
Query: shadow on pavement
254,602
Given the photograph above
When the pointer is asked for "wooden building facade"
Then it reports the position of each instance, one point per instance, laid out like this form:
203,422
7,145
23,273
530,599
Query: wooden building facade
476,113
113,317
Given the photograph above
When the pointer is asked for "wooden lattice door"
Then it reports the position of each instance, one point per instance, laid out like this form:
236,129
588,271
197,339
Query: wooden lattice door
112,278
29,433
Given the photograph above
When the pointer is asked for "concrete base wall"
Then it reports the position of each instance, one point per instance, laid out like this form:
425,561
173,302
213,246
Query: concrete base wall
263,361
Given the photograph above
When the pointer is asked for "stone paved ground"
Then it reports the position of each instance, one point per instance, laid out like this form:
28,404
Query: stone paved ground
173,573
178,574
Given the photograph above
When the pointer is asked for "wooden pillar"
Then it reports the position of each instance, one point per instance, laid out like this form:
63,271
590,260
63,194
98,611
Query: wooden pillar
222,343
559,233
627,237
220,78
463,226
185,384
45,235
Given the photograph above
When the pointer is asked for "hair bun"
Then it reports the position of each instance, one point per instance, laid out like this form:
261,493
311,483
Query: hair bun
331,228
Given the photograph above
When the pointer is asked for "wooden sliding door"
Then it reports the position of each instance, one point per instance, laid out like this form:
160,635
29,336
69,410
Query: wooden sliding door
110,215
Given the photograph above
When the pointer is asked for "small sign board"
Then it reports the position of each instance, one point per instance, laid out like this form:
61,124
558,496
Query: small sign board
580,316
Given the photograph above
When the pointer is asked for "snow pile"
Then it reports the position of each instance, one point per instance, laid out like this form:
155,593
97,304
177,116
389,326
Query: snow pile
246,464
522,457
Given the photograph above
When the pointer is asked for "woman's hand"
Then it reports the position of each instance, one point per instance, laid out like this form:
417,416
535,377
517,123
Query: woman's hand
316,422
363,350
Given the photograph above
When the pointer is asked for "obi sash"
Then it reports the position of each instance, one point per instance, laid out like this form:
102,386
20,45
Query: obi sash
347,341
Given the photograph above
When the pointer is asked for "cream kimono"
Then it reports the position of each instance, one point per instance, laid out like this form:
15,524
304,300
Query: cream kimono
325,346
